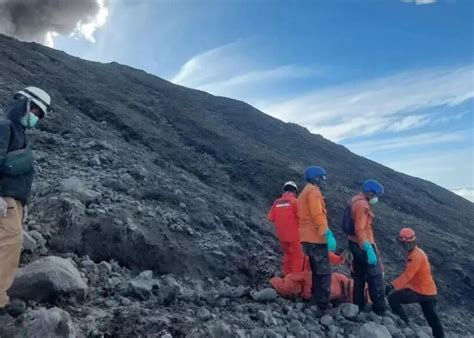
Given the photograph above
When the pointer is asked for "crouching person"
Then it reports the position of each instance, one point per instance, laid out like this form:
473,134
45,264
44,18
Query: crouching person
415,284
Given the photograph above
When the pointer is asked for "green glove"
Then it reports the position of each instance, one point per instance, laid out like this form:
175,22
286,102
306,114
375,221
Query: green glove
371,256
331,240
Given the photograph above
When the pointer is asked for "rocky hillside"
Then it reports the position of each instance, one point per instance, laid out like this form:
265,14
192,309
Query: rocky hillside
137,171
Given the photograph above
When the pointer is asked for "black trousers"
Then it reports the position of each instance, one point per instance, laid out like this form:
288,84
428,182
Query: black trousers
370,274
427,303
321,273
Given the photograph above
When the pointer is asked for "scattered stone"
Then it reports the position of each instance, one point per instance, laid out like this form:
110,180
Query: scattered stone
239,291
95,161
409,333
327,320
168,291
265,295
349,310
105,267
333,331
29,243
219,329
297,329
375,318
423,332
74,186
16,308
267,318
204,314
374,330
47,278
142,285
38,237
52,323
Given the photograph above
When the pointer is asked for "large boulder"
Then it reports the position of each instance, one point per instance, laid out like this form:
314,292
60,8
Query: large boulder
47,278
75,187
52,323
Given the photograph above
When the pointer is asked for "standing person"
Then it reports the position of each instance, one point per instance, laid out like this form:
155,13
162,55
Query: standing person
415,284
316,237
284,214
367,264
16,176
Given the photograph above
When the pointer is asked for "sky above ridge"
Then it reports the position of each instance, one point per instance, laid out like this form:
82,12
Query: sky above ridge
391,80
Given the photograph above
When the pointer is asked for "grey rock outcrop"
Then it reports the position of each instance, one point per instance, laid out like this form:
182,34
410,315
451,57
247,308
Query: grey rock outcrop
47,278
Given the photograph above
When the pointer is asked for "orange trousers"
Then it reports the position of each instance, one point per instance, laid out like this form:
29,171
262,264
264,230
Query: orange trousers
11,241
292,257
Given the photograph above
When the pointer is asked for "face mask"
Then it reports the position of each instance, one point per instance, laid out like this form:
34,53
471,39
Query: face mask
373,200
29,120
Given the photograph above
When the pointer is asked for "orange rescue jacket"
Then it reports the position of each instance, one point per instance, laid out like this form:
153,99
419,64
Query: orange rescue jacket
299,284
362,216
312,215
284,214
417,275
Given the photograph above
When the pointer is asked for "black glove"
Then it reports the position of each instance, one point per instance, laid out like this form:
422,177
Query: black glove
388,289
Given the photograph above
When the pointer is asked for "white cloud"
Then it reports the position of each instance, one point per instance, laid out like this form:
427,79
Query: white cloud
420,2
402,142
386,103
213,65
466,192
231,86
233,70
448,168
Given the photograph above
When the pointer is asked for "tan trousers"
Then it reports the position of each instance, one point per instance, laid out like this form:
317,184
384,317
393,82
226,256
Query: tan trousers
11,241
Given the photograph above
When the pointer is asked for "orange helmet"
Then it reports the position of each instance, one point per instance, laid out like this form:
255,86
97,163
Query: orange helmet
407,235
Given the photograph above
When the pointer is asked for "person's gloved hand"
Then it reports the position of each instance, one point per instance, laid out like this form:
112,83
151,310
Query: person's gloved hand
3,208
371,256
388,289
331,240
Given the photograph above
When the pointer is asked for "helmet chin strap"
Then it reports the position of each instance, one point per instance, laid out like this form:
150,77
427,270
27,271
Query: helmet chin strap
28,112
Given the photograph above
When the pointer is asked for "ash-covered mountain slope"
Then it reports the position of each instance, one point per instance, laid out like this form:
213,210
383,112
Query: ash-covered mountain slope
134,168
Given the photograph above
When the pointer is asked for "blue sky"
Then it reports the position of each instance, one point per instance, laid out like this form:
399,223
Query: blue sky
391,80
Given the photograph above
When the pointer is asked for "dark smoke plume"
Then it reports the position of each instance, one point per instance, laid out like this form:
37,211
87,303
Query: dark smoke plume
40,20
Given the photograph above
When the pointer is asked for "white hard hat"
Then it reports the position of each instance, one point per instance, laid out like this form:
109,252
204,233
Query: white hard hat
291,184
38,96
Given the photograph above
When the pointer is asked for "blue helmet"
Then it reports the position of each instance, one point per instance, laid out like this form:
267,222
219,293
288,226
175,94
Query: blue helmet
313,172
373,186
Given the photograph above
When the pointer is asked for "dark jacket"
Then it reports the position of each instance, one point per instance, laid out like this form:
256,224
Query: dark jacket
12,137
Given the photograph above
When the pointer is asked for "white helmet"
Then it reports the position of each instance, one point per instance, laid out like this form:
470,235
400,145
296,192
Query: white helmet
291,184
39,97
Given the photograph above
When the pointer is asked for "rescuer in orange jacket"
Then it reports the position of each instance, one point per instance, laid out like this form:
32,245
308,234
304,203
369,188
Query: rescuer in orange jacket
415,284
316,237
284,215
367,264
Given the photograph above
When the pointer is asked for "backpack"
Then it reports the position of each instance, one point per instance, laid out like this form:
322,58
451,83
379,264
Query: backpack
347,221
